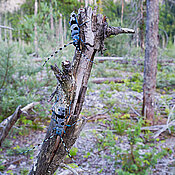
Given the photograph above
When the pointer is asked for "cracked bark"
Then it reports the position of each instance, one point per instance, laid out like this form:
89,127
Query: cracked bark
73,80
150,64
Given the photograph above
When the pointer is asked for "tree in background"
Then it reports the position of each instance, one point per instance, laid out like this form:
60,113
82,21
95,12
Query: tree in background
150,65
35,29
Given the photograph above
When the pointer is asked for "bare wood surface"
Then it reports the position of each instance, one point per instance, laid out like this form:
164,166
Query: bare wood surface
5,27
9,125
73,80
102,80
165,127
24,110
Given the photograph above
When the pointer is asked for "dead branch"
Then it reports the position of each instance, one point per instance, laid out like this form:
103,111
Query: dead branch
8,123
5,27
11,122
102,80
172,123
97,117
71,88
24,110
16,161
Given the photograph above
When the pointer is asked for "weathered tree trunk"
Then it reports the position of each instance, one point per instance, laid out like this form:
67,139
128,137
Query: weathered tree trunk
150,65
35,29
73,80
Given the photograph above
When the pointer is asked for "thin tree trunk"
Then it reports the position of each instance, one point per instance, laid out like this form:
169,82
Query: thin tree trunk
19,37
65,30
137,38
81,1
61,30
86,3
150,65
35,29
57,30
73,80
10,33
163,41
51,19
142,27
122,12
0,28
5,31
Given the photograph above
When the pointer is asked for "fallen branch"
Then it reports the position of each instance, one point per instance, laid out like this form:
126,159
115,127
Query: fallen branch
5,27
152,128
102,80
172,123
9,125
16,161
23,110
97,117
11,120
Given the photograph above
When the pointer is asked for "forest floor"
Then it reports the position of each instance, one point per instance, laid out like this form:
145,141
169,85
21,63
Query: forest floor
103,146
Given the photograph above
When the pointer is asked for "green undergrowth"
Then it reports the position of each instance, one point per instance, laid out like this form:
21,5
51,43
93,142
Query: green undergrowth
140,153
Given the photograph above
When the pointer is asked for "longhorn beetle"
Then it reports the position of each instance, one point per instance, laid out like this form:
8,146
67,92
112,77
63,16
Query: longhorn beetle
59,118
75,34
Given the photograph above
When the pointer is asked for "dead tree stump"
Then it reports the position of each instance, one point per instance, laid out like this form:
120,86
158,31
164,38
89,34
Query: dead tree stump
73,80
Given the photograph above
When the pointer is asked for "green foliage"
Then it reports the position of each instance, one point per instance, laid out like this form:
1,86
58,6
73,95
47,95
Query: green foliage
73,151
166,78
2,167
115,9
116,86
18,150
24,171
104,94
7,143
120,125
135,83
140,157
19,80
167,18
87,155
